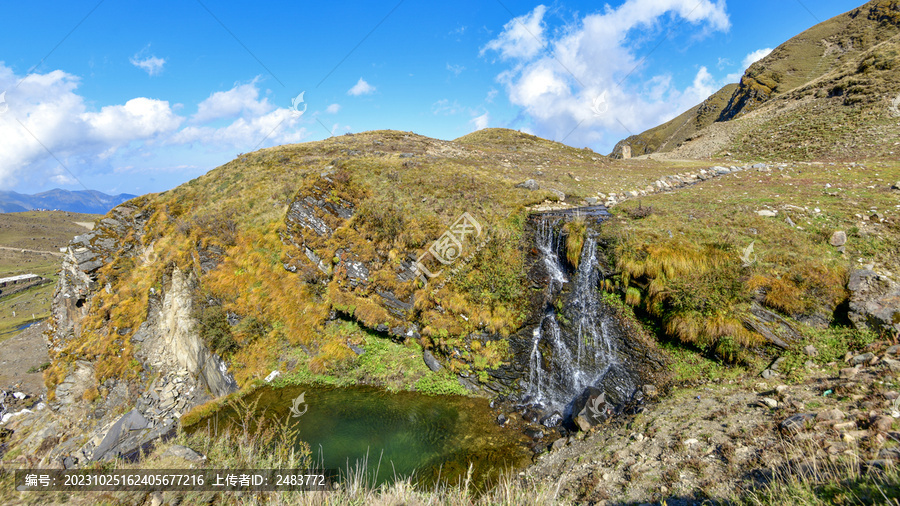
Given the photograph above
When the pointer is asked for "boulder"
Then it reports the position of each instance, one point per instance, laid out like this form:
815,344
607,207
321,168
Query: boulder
765,213
430,361
591,408
838,239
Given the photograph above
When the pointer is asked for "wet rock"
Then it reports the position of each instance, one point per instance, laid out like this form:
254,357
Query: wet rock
591,408
534,434
554,420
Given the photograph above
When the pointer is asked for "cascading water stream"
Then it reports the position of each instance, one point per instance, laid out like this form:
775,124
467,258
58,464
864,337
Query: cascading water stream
571,347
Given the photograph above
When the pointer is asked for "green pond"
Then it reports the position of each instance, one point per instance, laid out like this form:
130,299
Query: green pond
431,438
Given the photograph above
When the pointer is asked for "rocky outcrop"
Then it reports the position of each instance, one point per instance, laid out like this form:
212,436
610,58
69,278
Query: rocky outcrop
167,345
874,301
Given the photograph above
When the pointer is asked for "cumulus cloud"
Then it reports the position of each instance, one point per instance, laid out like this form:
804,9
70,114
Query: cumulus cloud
555,77
333,108
48,124
151,64
523,37
241,99
361,88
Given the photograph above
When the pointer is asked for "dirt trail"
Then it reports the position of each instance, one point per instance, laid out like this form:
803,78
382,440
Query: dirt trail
39,252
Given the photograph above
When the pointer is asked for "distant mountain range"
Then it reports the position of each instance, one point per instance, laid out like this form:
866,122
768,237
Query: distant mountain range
83,201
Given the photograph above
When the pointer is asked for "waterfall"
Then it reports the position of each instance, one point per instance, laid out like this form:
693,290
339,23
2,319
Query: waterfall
572,346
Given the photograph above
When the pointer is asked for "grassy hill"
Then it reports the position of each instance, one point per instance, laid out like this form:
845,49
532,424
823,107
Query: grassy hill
826,93
672,134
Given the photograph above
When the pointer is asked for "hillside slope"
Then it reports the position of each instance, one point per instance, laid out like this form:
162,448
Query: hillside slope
830,92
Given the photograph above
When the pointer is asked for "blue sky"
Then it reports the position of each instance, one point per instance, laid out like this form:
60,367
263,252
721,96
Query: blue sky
140,97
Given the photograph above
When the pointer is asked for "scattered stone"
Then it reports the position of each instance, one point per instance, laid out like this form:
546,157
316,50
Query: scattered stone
895,186
768,373
501,419
882,423
838,238
811,351
559,444
690,442
767,213
845,426
893,350
272,375
849,372
797,422
769,402
183,452
650,390
830,415
529,184
862,359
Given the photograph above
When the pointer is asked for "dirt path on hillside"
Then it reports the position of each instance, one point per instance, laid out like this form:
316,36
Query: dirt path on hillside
39,252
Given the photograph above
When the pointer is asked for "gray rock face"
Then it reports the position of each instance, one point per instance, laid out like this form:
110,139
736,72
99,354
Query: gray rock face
129,425
430,361
874,301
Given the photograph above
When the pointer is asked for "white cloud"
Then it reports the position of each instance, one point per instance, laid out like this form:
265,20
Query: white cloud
241,99
62,180
748,60
361,88
755,56
522,37
557,88
481,122
48,123
151,64
333,108
456,69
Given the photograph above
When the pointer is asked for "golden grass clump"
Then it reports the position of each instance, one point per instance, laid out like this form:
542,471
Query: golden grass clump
576,234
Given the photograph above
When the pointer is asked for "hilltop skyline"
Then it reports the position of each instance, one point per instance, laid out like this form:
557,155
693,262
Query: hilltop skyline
142,98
